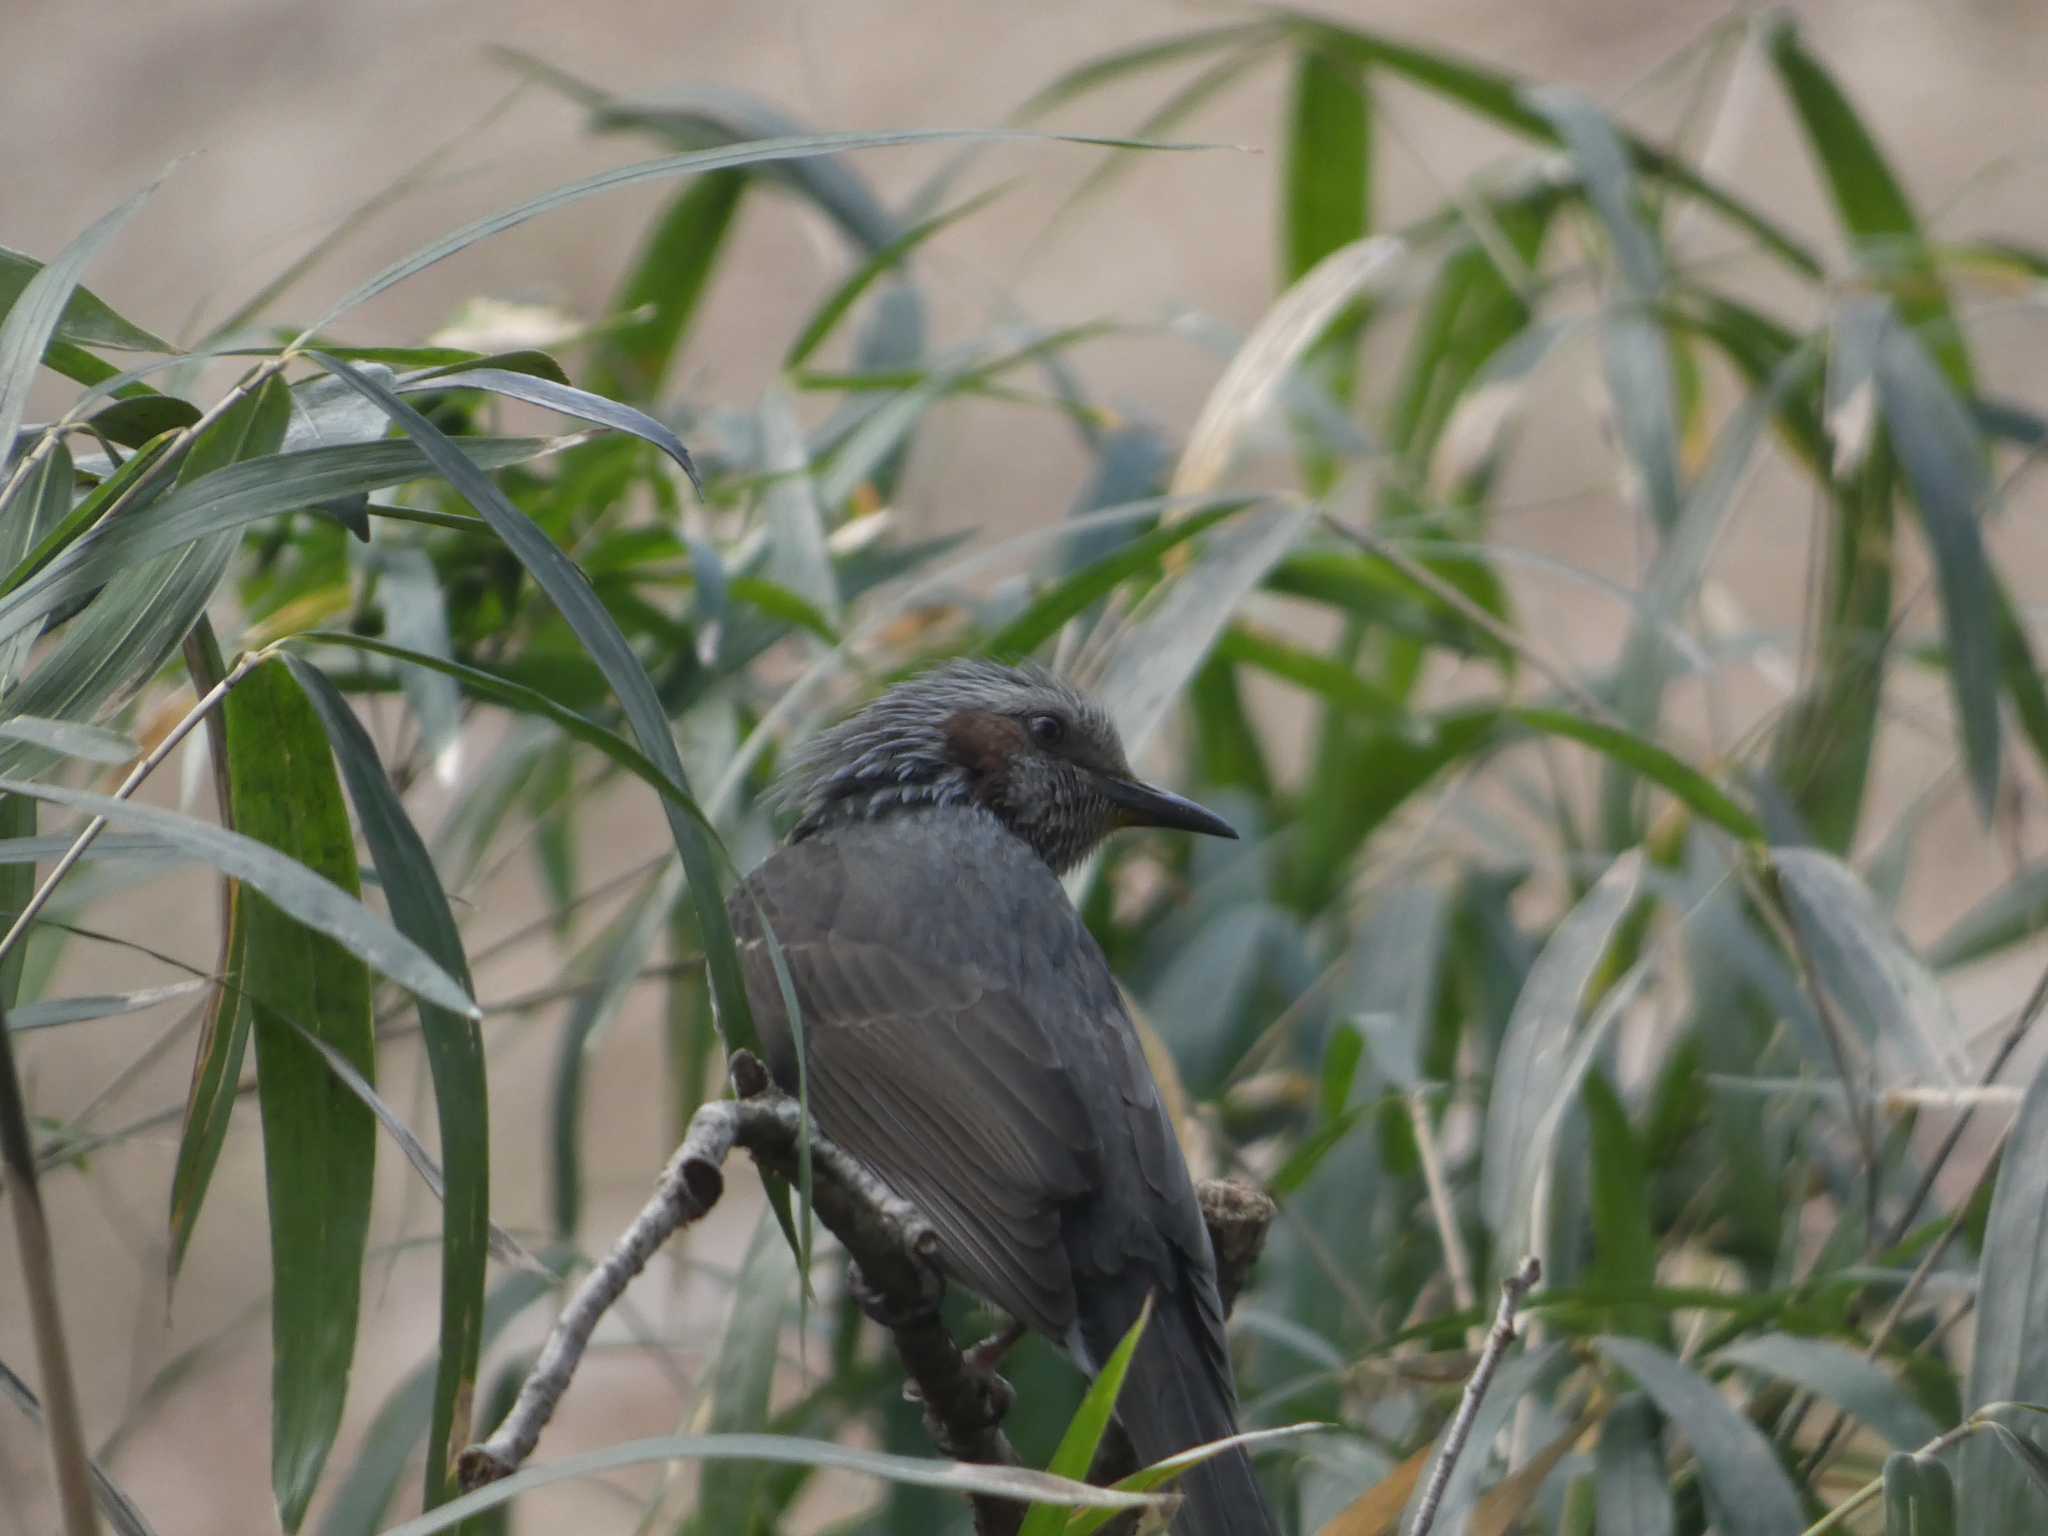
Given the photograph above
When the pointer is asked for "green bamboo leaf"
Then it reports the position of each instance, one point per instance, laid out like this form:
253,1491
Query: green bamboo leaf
1497,96
570,592
303,893
1326,203
1019,1483
826,317
1050,609
667,282
1327,186
2021,673
43,503
2009,1358
1632,1490
1090,1518
216,1079
432,362
1843,1376
732,1496
87,320
133,421
766,152
109,845
228,499
33,312
1685,782
528,701
1529,1073
1111,68
791,518
455,1057
1885,990
1639,378
1624,1239
1947,467
569,401
54,1012
319,1141
1334,682
1152,658
393,1436
1076,1453
1746,1487
2010,915
1869,199
1919,1496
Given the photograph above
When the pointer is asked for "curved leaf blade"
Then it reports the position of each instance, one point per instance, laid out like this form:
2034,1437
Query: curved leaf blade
304,894
455,1058
319,1140
1745,1484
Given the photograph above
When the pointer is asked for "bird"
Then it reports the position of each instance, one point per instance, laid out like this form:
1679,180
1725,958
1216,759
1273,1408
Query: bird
964,1037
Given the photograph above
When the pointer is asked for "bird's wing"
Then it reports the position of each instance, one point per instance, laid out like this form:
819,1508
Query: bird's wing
929,1058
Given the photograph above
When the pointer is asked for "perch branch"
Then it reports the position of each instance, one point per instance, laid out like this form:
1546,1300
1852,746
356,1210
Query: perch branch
1512,1291
893,1250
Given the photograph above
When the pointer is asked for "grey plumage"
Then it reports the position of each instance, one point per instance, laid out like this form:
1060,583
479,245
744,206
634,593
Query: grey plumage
966,1039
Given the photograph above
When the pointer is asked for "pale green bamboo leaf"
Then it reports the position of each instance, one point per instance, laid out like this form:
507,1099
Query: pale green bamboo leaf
1746,1487
310,898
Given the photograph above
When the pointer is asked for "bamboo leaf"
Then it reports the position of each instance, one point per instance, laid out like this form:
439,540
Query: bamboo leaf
319,1141
2010,915
1746,1487
2009,1358
1529,1073
1945,462
1632,1490
732,1495
1884,989
568,401
571,594
668,280
1843,1376
766,152
1019,1483
1869,199
1075,594
227,499
455,1057
87,320
1077,1447
33,312
305,894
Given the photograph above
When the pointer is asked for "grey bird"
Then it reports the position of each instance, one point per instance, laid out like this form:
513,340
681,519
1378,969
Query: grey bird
965,1039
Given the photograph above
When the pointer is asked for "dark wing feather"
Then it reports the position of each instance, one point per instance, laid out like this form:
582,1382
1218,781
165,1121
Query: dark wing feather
927,1058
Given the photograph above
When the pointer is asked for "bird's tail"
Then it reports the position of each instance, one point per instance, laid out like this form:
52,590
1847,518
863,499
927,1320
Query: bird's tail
1178,1394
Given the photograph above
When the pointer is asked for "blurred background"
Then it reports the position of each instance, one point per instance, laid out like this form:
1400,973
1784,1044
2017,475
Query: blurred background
285,122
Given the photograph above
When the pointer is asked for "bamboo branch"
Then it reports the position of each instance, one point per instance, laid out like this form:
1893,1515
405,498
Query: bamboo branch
893,1248
1512,1292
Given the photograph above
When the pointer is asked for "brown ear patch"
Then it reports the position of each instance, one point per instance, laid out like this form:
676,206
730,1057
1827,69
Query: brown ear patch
983,743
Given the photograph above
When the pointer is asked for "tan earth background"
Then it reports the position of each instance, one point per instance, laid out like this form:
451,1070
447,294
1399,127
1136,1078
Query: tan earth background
283,116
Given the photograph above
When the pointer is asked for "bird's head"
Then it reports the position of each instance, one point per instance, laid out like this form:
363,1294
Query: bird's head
1044,759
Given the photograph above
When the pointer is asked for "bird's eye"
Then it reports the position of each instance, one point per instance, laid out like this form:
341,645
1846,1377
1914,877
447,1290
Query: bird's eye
1048,730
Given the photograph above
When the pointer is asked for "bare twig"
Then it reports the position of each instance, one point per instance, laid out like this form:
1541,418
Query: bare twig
142,770
898,1283
1456,1261
1512,1292
68,1459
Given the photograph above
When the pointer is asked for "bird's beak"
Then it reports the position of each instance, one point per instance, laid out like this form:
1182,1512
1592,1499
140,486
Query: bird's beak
1144,806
